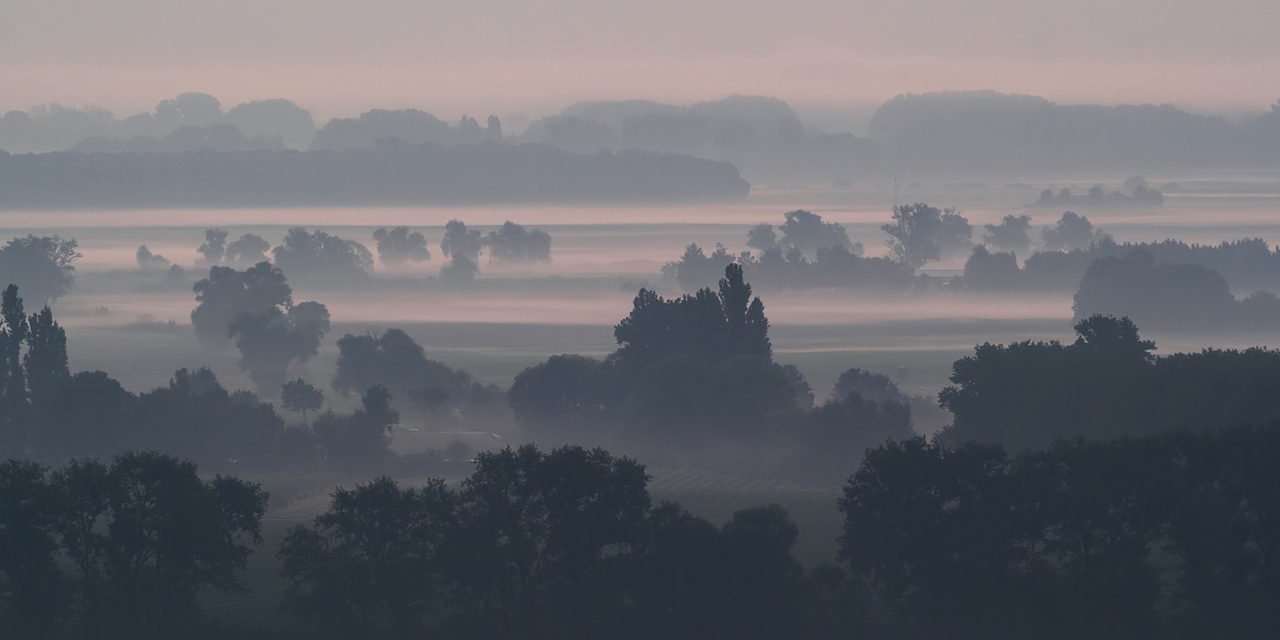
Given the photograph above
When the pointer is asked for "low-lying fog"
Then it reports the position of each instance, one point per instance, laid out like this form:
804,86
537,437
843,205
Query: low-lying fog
516,316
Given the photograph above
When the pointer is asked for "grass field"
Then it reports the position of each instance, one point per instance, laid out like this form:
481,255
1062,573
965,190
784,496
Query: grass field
296,498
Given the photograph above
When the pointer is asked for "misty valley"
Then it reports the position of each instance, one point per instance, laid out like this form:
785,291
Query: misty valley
637,369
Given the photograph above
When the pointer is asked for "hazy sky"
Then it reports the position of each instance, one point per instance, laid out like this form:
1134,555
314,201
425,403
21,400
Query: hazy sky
528,56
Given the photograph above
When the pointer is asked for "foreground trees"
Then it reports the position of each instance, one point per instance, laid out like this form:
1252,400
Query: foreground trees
542,544
1076,539
140,536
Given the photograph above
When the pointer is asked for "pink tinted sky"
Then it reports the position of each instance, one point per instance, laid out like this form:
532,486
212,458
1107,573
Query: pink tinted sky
534,57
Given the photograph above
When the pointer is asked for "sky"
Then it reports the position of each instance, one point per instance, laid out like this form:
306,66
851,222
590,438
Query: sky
828,58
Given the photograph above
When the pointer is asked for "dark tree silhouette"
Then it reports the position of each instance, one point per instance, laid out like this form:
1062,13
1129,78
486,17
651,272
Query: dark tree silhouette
512,243
762,237
33,592
270,340
298,395
247,250
868,385
214,246
395,361
807,232
921,234
461,271
461,241
362,437
398,246
1012,234
15,404
40,265
322,258
147,532
1070,232
379,552
148,260
227,293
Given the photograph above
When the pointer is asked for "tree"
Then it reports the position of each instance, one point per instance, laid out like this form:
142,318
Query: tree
148,260
40,265
807,232
377,554
1012,234
15,406
248,250
921,234
933,528
397,246
460,241
320,257
763,573
872,386
1070,232
227,293
299,395
1156,295
548,536
214,247
511,243
33,592
762,237
147,533
460,271
394,360
362,437
696,269
270,340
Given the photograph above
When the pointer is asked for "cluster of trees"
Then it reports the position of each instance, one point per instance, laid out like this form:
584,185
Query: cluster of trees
695,376
398,245
562,544
319,257
394,361
255,308
395,174
1169,295
1104,385
510,243
48,413
1076,540
245,251
188,122
41,265
1139,193
815,254
407,126
120,550
1159,536
1070,246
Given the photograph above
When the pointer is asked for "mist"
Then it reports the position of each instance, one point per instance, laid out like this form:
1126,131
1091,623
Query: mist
576,320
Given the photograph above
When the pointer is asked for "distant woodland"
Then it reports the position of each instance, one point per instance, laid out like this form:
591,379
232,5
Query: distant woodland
973,134
392,174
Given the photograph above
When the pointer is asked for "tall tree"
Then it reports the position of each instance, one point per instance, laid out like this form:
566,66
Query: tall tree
15,404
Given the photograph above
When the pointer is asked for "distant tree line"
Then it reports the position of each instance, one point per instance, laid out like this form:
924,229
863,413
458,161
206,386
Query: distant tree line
813,254
399,174
1246,264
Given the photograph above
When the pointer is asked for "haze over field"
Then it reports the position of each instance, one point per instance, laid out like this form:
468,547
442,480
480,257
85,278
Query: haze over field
701,320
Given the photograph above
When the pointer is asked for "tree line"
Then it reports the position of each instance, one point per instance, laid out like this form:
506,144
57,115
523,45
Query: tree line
1162,536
